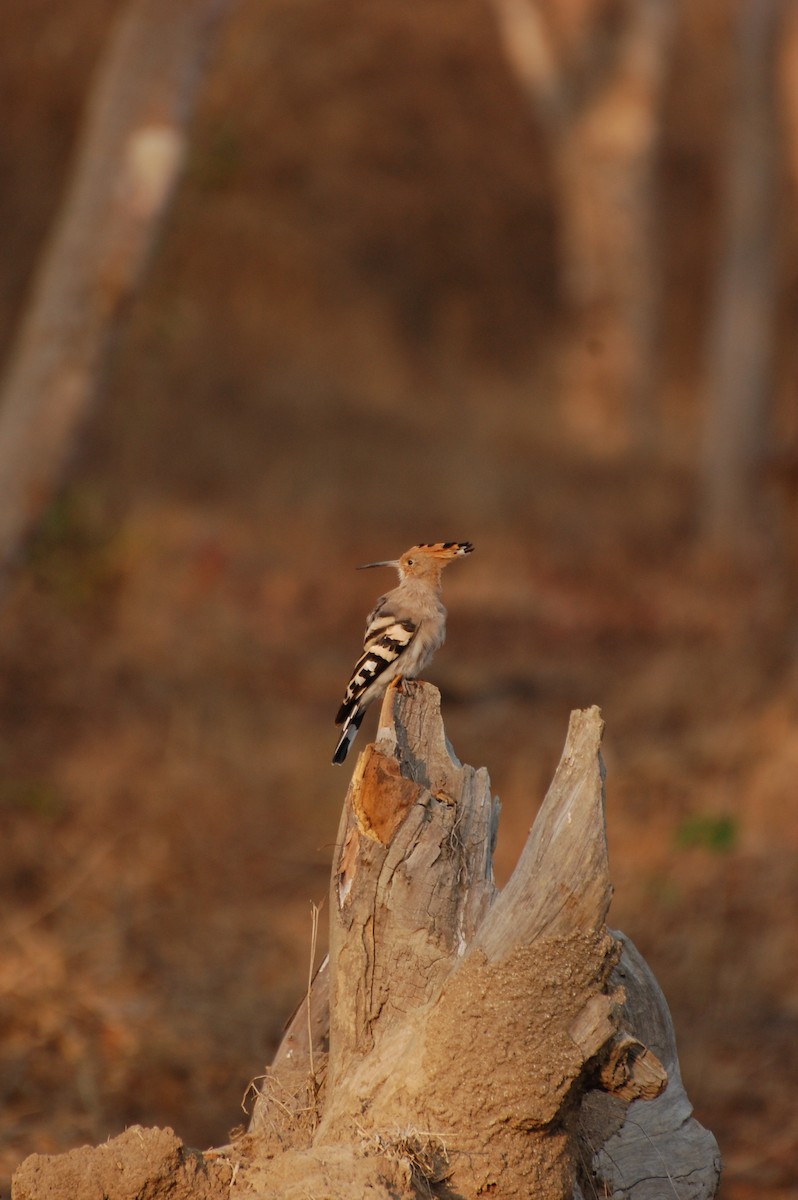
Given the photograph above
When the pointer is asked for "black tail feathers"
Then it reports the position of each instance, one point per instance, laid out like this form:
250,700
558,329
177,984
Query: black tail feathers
348,736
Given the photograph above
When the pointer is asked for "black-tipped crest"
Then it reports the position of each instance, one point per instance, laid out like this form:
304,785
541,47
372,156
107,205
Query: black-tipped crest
446,550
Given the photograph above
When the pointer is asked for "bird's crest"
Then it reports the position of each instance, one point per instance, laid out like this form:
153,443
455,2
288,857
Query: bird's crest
438,552
443,549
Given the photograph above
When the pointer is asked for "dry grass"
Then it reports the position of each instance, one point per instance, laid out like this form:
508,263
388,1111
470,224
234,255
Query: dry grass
423,1152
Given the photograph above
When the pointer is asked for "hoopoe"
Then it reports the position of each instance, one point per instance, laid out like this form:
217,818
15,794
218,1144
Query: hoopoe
403,632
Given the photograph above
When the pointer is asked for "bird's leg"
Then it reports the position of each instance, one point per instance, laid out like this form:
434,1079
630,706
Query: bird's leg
399,684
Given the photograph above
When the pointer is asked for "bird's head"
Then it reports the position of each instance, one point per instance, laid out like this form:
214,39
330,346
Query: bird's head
425,561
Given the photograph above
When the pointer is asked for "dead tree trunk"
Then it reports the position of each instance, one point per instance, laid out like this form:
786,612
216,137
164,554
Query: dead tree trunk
486,1041
459,1041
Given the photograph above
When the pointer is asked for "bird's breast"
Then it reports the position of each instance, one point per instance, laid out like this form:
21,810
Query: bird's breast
421,649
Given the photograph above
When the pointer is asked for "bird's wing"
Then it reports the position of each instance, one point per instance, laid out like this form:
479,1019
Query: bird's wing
387,636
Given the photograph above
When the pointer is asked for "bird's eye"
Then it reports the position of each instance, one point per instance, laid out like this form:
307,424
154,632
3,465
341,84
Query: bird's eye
409,561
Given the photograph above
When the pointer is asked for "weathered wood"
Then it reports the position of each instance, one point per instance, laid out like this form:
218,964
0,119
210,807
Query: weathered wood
307,1036
406,894
471,1031
631,1071
562,881
287,1096
480,1043
647,1151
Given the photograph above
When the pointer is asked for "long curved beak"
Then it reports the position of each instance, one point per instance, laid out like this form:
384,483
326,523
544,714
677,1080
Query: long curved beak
367,566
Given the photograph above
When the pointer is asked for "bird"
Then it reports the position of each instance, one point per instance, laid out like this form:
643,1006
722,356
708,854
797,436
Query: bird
403,631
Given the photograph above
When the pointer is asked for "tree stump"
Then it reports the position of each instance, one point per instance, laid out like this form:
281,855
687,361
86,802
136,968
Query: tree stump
460,1041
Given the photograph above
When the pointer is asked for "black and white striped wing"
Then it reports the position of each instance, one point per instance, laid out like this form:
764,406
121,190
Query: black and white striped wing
386,640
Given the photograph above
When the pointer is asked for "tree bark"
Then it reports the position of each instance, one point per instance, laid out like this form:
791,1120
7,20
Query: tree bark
128,161
491,1041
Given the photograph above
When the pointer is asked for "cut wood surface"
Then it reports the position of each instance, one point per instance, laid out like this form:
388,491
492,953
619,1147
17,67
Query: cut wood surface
459,1041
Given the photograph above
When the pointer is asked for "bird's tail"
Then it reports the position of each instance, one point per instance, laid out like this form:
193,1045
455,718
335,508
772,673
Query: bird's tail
348,735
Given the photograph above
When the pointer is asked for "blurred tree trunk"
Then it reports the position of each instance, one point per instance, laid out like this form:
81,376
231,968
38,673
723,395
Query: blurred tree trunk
596,86
788,80
783,456
129,158
739,373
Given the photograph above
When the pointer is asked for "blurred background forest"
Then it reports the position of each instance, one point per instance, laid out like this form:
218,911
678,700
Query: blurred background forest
522,272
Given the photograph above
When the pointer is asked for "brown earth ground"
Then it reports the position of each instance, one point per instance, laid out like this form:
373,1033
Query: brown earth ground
347,344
